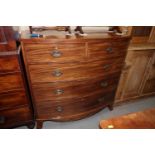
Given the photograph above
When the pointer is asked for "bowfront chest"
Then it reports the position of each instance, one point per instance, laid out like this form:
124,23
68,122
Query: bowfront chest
71,78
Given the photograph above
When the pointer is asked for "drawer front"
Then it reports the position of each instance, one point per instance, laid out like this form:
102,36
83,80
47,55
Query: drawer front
100,50
10,82
76,90
9,64
13,99
14,117
62,110
43,53
70,72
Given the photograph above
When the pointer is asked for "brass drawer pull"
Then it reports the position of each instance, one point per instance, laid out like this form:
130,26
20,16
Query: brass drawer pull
2,119
59,91
107,66
104,84
57,73
109,50
59,109
101,99
56,54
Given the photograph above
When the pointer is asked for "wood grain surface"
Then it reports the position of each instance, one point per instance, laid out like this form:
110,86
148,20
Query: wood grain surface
138,120
73,78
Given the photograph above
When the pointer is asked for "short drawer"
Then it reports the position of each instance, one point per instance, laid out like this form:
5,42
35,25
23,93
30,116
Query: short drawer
9,64
70,72
100,50
62,110
76,90
13,99
10,82
43,53
14,117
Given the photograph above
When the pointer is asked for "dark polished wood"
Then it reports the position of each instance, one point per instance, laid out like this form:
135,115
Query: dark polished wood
74,90
13,99
15,117
7,39
8,63
72,78
15,104
138,120
42,73
10,82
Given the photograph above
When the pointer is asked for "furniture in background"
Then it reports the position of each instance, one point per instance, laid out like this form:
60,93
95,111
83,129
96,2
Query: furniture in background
138,74
15,105
138,120
71,78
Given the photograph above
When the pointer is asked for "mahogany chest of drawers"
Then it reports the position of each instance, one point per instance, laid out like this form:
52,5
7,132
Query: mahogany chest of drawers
71,78
15,105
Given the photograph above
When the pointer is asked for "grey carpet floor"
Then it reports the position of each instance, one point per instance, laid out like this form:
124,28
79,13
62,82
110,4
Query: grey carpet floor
92,122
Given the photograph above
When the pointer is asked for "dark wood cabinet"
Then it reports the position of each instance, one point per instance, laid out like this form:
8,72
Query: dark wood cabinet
15,104
71,78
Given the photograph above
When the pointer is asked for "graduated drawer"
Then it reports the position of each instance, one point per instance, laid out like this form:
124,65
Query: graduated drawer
11,118
13,99
10,82
76,90
70,110
9,64
42,53
69,72
101,50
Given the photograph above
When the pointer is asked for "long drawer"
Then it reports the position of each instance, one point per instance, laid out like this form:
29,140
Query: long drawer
13,99
42,53
70,72
9,64
76,90
61,110
10,82
11,118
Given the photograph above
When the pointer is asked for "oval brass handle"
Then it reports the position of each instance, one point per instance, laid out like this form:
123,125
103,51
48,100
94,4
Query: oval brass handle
59,91
107,66
59,109
56,54
2,119
102,99
109,49
104,84
57,73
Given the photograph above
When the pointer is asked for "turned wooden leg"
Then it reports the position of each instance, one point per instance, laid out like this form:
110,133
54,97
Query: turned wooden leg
110,106
31,125
39,124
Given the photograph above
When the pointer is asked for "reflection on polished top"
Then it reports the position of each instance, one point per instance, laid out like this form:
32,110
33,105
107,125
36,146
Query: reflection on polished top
49,34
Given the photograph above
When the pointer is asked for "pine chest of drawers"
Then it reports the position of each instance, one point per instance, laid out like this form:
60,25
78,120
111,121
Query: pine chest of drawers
71,78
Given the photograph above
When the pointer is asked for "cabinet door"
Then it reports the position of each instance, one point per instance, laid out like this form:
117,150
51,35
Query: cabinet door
133,75
149,86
